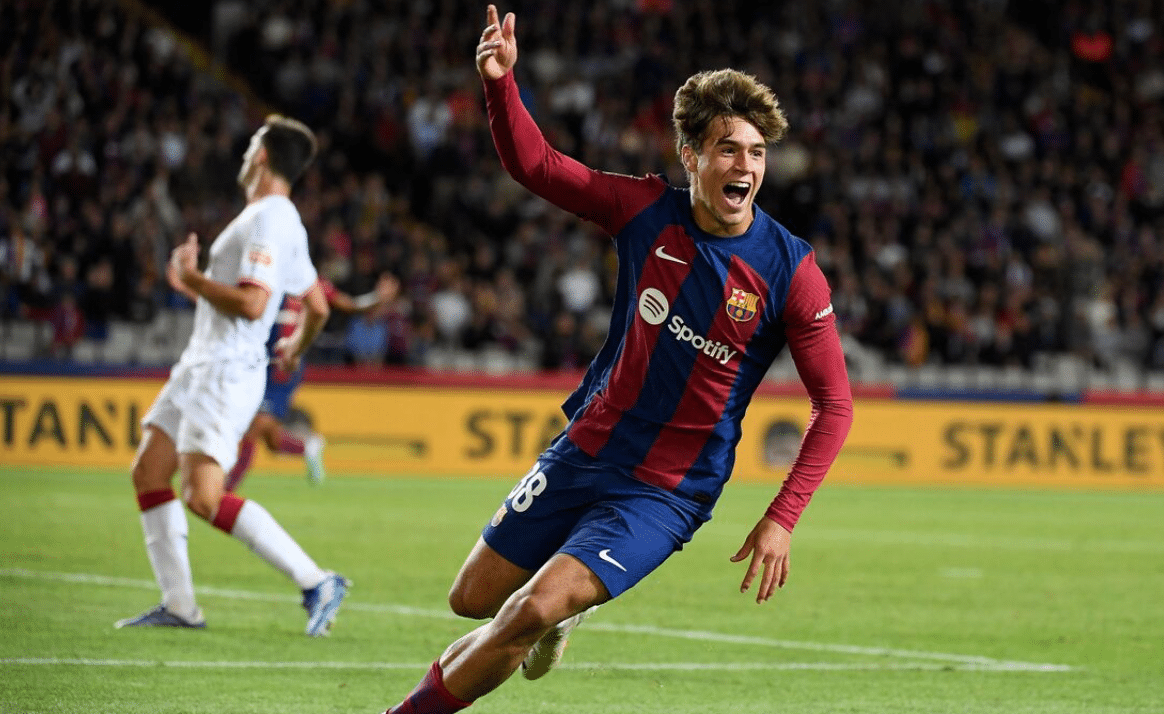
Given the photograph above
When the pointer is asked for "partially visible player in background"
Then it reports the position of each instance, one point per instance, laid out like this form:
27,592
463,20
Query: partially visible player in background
269,424
195,424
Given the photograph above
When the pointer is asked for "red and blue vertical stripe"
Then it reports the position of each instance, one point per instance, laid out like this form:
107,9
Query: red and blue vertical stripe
665,402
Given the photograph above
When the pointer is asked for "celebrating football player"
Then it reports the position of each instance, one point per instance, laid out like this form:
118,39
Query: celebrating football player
710,289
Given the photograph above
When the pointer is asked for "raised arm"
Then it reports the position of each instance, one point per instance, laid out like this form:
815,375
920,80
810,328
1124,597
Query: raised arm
608,200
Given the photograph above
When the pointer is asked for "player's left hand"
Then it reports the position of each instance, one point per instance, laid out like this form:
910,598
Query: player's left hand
286,357
770,547
178,285
184,259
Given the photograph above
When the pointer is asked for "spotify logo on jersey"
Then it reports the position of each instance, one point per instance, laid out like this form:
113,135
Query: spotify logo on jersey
653,306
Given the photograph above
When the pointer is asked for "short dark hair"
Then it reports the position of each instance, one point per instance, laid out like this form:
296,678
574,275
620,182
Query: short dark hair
290,146
722,94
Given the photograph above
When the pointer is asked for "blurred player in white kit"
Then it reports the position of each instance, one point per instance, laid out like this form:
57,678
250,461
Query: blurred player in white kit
213,392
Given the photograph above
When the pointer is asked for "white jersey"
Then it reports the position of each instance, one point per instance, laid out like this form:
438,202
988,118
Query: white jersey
265,245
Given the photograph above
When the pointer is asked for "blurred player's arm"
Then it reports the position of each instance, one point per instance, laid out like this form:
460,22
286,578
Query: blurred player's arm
289,350
178,285
247,300
387,288
815,346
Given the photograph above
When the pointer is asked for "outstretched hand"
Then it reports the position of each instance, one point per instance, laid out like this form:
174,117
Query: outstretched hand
497,51
770,547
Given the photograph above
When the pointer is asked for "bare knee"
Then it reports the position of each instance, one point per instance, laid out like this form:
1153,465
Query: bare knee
526,616
149,477
154,463
484,583
563,587
466,601
202,484
202,501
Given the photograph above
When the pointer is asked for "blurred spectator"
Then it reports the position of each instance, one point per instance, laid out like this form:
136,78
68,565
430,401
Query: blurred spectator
402,344
97,302
563,347
68,326
981,186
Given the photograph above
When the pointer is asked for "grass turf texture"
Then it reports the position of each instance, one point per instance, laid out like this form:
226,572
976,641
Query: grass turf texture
901,600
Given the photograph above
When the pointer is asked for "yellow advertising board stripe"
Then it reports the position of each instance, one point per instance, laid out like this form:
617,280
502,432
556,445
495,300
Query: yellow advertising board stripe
499,430
979,443
72,421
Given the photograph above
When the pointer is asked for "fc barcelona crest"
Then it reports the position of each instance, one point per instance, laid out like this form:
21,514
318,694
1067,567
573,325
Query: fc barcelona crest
741,306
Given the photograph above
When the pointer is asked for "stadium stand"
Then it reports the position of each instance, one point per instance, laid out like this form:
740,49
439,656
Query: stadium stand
984,187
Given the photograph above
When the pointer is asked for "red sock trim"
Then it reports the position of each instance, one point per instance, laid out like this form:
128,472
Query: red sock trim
437,676
227,514
289,443
149,499
430,695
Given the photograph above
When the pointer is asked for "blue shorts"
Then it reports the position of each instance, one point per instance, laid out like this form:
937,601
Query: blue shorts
281,387
621,528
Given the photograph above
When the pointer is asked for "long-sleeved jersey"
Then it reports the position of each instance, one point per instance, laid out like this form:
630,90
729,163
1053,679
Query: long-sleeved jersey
697,321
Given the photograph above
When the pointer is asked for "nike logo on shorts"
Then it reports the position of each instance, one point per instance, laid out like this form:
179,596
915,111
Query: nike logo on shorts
661,251
605,555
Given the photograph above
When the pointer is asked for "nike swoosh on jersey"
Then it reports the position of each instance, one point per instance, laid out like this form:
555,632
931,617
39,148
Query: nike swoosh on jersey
662,253
605,555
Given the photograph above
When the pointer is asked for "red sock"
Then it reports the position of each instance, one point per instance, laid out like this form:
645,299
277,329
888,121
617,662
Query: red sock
149,499
246,454
289,443
227,512
430,696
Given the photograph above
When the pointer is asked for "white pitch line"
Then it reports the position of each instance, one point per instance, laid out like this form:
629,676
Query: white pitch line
703,635
113,581
963,661
209,664
621,666
961,573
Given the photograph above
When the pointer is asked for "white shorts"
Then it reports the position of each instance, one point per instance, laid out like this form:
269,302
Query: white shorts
206,408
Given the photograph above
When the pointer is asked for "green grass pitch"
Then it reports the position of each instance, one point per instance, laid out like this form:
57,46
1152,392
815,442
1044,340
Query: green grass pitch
901,600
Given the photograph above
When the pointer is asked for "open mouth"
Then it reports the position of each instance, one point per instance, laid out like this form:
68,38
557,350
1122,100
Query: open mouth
737,192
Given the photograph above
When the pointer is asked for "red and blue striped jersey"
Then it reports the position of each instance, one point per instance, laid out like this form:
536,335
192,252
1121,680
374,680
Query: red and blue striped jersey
697,321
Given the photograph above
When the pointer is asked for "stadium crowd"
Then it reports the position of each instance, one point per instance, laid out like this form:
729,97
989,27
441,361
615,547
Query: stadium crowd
983,181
